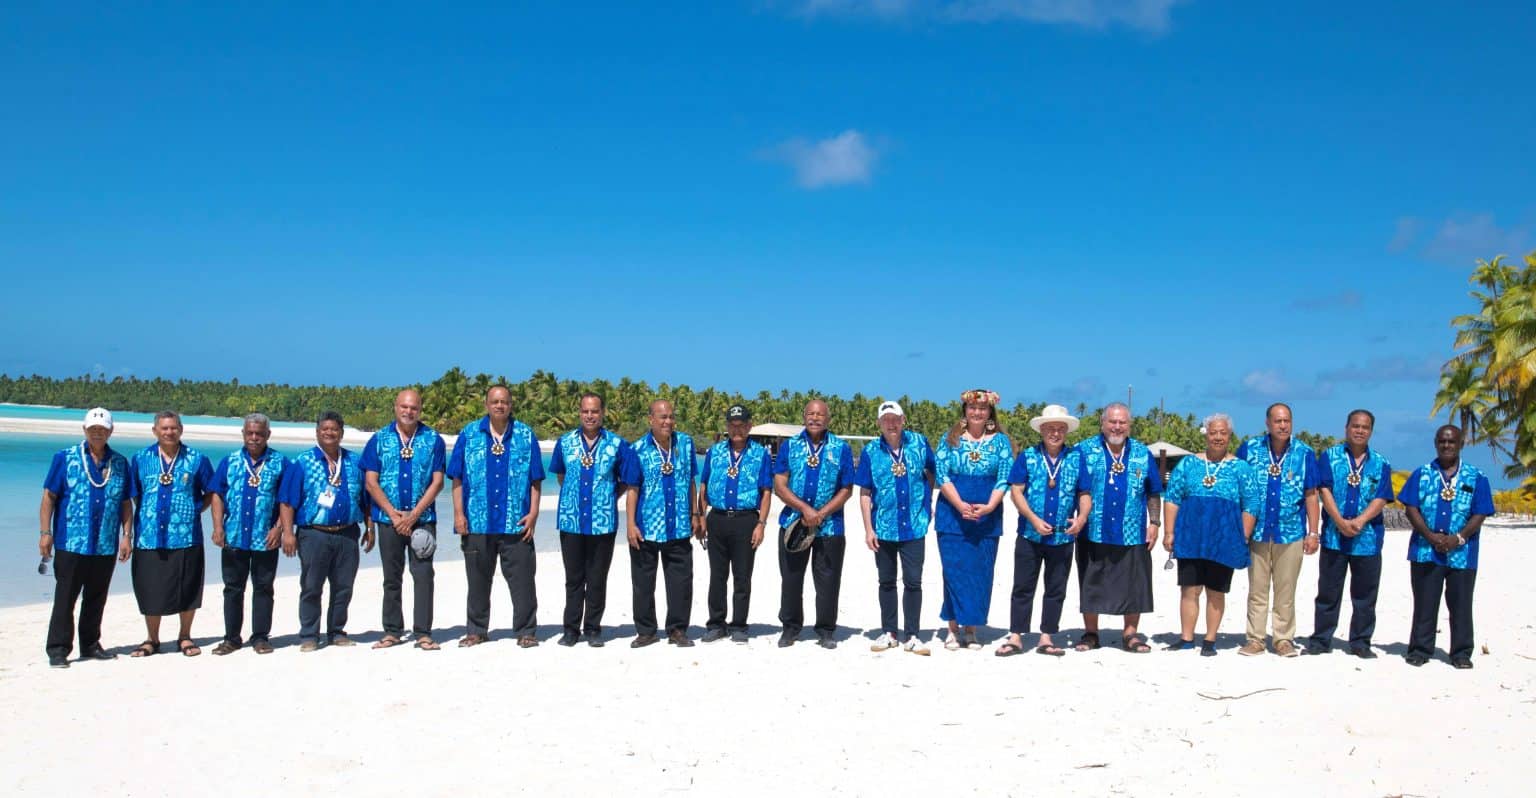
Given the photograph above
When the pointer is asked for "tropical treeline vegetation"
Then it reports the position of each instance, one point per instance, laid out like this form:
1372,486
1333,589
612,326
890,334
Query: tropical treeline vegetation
549,405
1488,388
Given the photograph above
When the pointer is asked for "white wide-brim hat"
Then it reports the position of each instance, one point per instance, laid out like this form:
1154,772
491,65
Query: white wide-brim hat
1054,413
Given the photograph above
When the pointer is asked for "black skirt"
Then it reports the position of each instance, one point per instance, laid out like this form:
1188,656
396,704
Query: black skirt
1116,580
1208,574
168,581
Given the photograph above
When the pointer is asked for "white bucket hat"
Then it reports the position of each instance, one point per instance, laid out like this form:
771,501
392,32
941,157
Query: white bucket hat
1051,414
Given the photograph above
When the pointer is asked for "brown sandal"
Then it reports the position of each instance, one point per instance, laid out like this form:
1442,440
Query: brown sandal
225,647
427,644
148,648
469,641
262,647
188,648
527,641
387,641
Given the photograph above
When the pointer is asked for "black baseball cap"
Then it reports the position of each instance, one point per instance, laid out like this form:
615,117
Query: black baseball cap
738,413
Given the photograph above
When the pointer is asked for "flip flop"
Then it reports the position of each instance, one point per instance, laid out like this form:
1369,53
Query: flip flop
1051,651
1088,642
470,641
1007,650
952,644
427,644
387,641
148,648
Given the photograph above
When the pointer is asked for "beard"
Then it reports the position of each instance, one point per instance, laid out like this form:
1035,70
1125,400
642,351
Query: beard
1116,440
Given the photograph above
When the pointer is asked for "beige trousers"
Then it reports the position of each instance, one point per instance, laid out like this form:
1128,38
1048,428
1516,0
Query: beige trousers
1275,567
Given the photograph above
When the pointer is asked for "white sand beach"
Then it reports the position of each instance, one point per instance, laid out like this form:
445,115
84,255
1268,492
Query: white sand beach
757,719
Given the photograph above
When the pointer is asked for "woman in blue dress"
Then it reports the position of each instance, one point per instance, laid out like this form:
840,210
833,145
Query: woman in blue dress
1209,509
972,465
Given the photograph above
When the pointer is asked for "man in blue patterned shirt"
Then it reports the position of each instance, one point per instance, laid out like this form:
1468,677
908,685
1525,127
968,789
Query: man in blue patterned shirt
660,492
1114,558
84,522
1446,503
242,499
895,476
169,482
813,476
1355,485
323,506
1287,528
592,458
497,470
403,468
736,490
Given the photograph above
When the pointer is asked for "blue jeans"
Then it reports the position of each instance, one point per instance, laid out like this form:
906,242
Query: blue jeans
326,556
910,554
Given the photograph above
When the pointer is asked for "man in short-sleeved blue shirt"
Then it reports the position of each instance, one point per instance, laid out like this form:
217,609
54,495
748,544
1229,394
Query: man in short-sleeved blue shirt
242,498
1355,485
587,461
895,477
1446,502
169,483
659,482
497,469
736,485
1287,528
403,468
83,526
813,476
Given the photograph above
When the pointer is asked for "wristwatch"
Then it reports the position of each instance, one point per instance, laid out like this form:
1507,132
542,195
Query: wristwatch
44,532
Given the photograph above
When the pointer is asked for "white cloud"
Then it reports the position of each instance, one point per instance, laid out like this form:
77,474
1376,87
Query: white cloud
1145,15
841,160
1465,238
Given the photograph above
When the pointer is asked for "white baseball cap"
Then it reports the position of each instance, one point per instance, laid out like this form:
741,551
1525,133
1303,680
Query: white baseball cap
889,409
98,417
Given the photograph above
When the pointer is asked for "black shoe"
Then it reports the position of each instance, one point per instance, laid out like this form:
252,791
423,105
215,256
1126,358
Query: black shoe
642,641
1363,652
786,640
1313,651
594,639
826,641
1416,660
97,652
738,635
568,639
1207,648
1462,664
679,638
59,661
713,634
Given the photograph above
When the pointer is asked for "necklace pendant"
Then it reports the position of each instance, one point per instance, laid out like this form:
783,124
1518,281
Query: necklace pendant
811,461
1051,483
407,453
165,478
898,469
1209,481
732,472
1448,493
498,450
586,461
1274,469
666,469
1118,468
975,456
1353,480
253,480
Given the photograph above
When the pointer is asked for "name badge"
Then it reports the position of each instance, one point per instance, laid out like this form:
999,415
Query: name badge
326,500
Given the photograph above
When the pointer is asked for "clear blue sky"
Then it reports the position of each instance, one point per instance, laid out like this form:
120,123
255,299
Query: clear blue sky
1220,203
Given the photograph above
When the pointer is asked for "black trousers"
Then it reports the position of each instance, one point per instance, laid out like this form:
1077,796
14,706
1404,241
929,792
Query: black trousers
676,559
1429,579
910,553
731,557
74,574
395,556
326,557
825,557
1028,557
481,554
586,558
260,567
1364,580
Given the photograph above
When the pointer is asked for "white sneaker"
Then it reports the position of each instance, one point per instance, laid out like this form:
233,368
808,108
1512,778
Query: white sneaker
883,642
915,646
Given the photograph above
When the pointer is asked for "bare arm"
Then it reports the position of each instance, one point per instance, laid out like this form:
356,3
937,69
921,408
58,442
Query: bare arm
866,506
45,523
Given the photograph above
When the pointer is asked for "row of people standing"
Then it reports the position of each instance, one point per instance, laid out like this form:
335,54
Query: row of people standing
326,503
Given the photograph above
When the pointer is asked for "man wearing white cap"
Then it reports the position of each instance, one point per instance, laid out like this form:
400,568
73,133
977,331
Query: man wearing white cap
895,477
1114,560
1051,491
83,523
